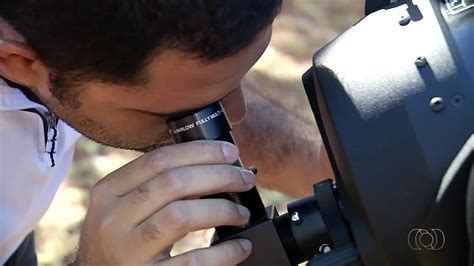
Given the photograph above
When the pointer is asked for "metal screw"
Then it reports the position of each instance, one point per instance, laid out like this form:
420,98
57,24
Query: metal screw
253,169
404,20
324,248
295,217
420,61
437,104
456,100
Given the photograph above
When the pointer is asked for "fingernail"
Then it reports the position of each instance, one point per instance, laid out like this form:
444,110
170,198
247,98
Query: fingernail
244,212
246,245
248,177
230,152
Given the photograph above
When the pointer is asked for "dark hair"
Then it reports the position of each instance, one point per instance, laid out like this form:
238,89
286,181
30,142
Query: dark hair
111,40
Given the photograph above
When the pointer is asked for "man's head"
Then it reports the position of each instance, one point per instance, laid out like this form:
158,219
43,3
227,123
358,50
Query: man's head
117,69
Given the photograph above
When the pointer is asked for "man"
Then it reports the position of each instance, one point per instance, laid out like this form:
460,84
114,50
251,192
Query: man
115,70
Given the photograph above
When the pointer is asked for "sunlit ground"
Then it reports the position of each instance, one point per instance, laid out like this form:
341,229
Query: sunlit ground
303,27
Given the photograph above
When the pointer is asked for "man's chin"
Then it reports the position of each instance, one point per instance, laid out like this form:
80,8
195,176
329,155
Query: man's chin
144,149
149,148
111,140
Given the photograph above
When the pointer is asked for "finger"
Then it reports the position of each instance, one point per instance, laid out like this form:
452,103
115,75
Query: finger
130,176
228,253
181,217
180,183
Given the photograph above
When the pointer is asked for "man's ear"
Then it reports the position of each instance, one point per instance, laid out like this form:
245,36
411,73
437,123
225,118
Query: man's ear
19,63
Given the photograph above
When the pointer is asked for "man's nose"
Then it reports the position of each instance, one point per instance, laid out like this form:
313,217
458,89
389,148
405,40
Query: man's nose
234,104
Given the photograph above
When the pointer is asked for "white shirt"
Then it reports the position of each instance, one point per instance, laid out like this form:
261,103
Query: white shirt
28,179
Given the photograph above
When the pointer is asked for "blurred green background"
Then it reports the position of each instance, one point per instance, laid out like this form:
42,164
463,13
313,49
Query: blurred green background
303,27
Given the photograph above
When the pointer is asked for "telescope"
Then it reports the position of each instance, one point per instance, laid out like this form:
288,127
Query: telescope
393,98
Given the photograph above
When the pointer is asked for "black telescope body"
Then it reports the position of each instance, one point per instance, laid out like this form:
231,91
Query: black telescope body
394,102
393,99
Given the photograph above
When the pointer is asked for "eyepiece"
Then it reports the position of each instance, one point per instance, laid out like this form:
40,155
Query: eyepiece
211,123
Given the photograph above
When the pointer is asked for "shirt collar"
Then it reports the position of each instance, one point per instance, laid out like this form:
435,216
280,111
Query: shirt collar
12,98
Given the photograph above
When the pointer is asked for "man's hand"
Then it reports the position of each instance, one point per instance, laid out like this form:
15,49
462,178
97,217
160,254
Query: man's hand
139,211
